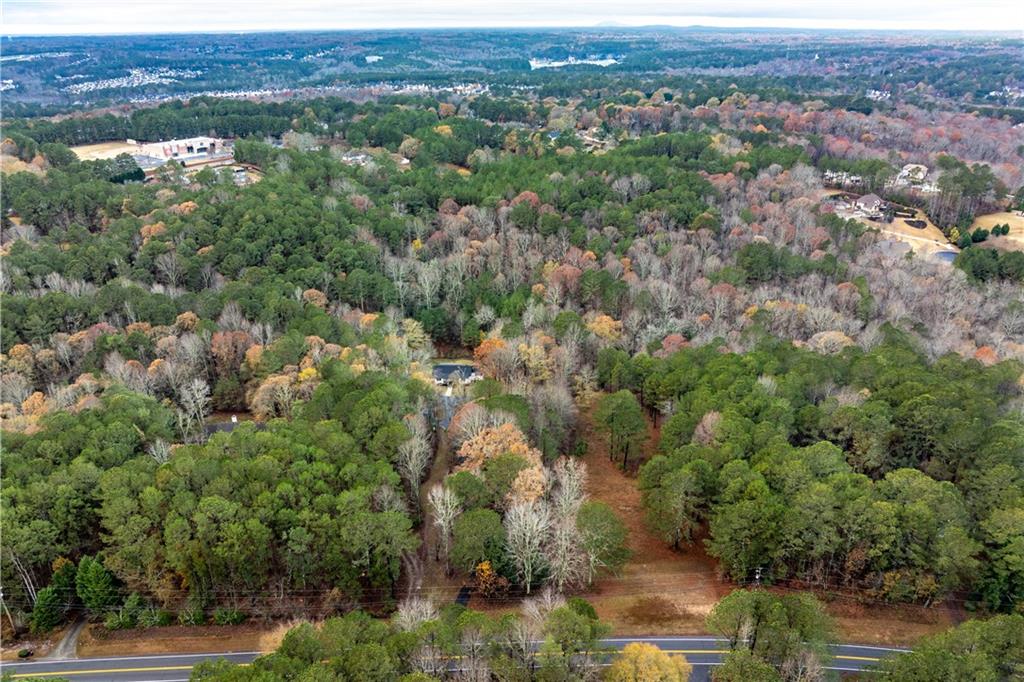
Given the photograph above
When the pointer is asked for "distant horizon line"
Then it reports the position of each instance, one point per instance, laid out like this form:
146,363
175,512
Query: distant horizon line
527,28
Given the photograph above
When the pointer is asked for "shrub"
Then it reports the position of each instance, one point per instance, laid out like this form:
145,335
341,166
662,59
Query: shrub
127,617
118,620
152,617
191,615
228,617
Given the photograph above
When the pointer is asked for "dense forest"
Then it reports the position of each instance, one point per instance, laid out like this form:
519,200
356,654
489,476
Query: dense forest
48,74
831,411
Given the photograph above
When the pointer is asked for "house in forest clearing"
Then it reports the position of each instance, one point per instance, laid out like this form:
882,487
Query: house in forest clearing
870,203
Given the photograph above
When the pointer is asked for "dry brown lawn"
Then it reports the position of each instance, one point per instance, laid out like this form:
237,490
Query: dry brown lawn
96,640
103,150
1011,242
925,241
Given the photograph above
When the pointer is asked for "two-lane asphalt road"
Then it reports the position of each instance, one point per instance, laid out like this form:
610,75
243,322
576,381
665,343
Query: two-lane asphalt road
702,652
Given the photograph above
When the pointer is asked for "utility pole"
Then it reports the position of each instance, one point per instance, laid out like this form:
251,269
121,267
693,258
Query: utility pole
14,628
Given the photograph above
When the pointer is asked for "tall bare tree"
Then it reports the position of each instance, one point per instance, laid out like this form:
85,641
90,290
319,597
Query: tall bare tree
414,457
527,527
565,557
445,507
194,399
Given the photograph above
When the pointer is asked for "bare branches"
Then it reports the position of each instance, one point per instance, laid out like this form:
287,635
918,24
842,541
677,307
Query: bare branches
527,526
194,399
414,456
445,507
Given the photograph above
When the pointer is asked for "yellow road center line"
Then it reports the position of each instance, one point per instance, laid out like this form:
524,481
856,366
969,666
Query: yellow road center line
106,671
695,651
62,673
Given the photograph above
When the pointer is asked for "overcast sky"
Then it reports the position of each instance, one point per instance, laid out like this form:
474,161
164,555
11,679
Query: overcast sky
35,17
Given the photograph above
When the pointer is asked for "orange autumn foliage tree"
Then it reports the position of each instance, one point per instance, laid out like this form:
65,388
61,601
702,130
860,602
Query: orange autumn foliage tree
484,353
315,297
187,321
229,349
529,485
494,441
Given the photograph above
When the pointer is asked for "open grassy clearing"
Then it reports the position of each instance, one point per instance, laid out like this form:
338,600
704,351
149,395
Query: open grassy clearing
1014,241
103,150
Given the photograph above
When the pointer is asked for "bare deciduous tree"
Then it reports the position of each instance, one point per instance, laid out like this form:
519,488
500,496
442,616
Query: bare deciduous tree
168,265
445,507
14,388
194,399
527,526
159,450
414,457
536,609
570,483
387,499
429,278
413,612
565,557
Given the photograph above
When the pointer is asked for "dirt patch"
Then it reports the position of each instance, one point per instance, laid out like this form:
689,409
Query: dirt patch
12,164
104,150
652,611
96,640
40,645
883,624
685,582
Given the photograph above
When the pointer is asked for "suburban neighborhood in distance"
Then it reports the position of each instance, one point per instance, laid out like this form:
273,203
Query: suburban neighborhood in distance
511,342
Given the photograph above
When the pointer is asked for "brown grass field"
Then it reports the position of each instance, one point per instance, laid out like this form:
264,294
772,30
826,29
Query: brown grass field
103,150
1011,242
926,240
96,640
